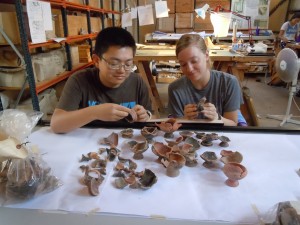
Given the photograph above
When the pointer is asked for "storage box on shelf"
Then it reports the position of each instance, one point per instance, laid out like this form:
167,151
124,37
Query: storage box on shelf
184,20
184,6
49,64
12,77
77,24
45,66
94,3
96,25
74,54
183,30
84,53
171,6
80,2
166,24
77,29
9,24
106,5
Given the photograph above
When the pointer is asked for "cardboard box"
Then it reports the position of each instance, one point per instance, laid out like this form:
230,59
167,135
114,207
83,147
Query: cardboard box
166,24
106,4
12,78
74,55
9,23
184,6
94,3
184,20
80,2
84,53
49,64
96,24
76,24
183,30
8,57
171,6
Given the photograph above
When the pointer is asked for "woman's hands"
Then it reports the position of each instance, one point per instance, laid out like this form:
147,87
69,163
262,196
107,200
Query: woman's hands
209,111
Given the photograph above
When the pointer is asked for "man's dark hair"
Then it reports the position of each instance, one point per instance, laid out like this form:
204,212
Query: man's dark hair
295,16
113,36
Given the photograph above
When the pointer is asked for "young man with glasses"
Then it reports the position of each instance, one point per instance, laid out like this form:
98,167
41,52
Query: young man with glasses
109,91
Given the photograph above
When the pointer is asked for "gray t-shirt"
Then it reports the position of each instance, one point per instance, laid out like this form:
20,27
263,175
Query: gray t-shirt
223,90
84,89
290,31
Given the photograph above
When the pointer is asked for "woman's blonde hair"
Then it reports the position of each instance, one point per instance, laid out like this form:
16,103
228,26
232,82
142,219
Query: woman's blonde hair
188,40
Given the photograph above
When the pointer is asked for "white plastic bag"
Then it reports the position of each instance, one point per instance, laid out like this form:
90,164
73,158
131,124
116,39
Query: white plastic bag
27,174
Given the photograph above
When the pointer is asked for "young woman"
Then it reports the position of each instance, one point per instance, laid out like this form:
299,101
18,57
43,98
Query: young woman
221,90
289,30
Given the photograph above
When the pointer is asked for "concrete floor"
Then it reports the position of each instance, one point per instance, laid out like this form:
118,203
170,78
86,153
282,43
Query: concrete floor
267,99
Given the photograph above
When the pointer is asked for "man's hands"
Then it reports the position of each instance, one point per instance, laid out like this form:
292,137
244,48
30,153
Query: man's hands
209,111
115,112
142,115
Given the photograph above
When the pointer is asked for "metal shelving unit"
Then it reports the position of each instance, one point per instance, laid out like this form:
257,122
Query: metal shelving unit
35,88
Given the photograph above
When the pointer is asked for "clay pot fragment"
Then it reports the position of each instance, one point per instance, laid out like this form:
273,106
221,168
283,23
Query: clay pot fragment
230,156
224,141
186,133
188,152
100,165
132,116
149,133
112,153
200,104
207,140
210,159
138,148
171,143
93,155
175,162
234,172
161,150
111,140
93,180
128,163
148,179
132,181
84,158
120,183
195,143
128,177
93,187
191,160
127,133
169,127
200,135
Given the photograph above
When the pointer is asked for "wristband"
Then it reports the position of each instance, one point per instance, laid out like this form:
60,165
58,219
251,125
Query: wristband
149,114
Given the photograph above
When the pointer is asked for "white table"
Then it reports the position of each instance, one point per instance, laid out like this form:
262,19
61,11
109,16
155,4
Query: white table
197,196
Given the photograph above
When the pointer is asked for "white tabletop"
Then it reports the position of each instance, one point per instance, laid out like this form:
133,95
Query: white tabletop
197,195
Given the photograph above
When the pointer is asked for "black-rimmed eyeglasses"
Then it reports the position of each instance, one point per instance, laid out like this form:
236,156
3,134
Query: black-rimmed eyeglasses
118,66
